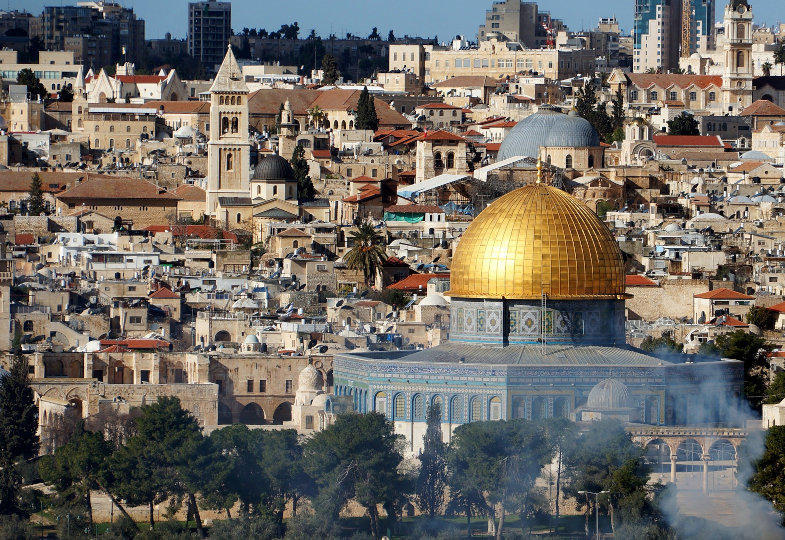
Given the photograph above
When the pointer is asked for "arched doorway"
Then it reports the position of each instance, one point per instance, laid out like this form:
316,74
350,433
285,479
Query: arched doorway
224,414
252,414
688,456
658,456
283,413
223,335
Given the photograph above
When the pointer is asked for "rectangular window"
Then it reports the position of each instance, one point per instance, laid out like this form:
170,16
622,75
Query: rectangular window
653,96
135,320
457,62
262,387
693,96
144,375
308,422
288,386
249,386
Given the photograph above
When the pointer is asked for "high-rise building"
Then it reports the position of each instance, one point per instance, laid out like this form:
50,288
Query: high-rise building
98,33
513,20
656,35
209,30
697,26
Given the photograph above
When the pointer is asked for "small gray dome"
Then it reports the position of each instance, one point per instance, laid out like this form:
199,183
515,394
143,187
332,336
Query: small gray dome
608,395
273,167
547,129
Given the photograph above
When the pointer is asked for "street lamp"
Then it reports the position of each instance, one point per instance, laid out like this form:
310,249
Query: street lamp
596,509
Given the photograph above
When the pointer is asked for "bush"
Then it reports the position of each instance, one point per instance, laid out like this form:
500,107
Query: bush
167,530
436,529
15,528
121,529
305,526
261,528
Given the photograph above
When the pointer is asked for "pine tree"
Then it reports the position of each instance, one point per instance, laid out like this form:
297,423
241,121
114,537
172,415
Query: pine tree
366,117
35,201
18,426
330,69
431,480
305,189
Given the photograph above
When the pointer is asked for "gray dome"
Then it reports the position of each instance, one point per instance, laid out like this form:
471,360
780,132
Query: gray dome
608,395
547,129
273,167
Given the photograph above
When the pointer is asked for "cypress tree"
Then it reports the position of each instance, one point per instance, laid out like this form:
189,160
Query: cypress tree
431,479
305,189
329,69
35,201
366,112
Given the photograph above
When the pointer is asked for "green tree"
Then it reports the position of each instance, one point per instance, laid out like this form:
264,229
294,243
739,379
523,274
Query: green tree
35,89
35,198
561,433
605,458
618,115
154,464
66,95
365,116
357,458
775,392
585,101
245,481
391,37
18,427
375,34
761,317
683,124
500,460
79,467
749,349
305,189
664,345
432,474
766,67
367,252
330,69
779,56
768,478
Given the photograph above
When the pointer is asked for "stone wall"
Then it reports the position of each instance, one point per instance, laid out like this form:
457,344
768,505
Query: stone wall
672,299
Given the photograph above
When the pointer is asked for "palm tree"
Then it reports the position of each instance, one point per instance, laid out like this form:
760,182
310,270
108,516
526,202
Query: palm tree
368,253
779,55
766,67
317,116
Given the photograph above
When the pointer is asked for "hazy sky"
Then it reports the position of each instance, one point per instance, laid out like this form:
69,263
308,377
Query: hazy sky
443,18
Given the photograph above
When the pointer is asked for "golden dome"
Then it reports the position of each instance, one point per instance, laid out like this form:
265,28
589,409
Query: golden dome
537,239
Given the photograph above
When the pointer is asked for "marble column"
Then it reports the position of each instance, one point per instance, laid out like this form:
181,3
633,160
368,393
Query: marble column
705,474
673,468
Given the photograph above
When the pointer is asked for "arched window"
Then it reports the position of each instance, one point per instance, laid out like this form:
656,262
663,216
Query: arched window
418,412
351,124
380,402
275,190
740,31
450,160
221,100
475,410
239,217
343,124
495,408
96,128
295,243
456,409
591,161
111,143
111,128
399,407
335,124
128,143
258,190
231,100
225,124
740,59
229,161
79,110
438,401
437,160
235,124
568,161
27,326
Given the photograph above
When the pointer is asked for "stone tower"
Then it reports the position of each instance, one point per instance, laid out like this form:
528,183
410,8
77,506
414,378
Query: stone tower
287,131
229,150
737,77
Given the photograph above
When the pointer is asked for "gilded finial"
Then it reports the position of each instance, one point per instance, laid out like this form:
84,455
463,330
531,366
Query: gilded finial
539,171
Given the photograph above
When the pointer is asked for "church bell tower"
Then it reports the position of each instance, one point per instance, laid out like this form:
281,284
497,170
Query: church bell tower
229,150
737,77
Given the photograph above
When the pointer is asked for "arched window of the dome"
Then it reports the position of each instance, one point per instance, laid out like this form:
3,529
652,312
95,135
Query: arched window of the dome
380,402
437,400
495,408
475,409
418,407
456,410
399,407
568,161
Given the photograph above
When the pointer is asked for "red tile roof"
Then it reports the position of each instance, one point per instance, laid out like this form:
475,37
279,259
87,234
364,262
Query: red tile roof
321,154
639,281
364,179
364,195
724,294
647,80
439,135
140,79
24,239
747,166
164,293
493,147
116,188
712,141
416,282
395,261
727,320
763,107
436,106
779,308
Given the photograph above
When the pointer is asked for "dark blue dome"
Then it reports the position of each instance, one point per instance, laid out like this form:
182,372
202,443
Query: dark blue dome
547,129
